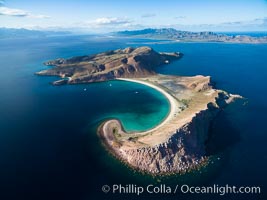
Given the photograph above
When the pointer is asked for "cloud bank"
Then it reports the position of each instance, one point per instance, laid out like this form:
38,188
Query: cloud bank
6,11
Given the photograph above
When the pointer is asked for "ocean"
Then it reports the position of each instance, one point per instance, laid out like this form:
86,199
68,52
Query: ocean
48,143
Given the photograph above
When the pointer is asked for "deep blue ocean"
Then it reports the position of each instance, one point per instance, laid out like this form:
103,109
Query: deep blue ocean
48,143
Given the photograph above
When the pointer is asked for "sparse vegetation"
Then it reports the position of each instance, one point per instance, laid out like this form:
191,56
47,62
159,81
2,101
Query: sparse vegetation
133,139
115,130
185,102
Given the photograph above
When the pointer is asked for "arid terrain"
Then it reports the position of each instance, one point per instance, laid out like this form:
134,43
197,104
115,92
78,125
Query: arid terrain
177,144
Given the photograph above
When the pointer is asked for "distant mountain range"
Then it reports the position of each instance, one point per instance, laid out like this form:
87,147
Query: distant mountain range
149,33
186,36
22,33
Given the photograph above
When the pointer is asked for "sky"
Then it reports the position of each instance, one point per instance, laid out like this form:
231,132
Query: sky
108,15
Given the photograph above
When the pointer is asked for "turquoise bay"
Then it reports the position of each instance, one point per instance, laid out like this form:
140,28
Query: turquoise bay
138,106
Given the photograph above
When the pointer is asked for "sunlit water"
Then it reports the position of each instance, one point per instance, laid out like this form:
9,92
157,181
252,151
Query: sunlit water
49,148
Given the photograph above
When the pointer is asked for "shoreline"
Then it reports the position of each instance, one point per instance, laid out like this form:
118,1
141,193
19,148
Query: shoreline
177,144
172,103
108,145
107,138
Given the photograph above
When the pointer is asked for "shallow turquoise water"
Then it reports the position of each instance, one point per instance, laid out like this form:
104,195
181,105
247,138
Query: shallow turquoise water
146,113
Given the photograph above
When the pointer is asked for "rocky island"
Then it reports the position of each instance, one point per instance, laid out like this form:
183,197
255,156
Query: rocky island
121,63
177,144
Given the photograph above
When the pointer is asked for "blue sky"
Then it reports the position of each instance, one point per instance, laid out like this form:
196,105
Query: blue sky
106,16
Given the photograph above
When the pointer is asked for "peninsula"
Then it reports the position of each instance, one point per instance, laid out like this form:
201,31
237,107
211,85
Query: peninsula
177,144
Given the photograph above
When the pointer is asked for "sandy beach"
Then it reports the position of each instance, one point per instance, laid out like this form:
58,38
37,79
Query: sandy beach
172,101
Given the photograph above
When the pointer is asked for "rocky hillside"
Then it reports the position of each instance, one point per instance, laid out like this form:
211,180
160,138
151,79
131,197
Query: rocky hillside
121,63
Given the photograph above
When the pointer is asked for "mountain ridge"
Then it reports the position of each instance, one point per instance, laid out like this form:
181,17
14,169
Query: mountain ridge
187,36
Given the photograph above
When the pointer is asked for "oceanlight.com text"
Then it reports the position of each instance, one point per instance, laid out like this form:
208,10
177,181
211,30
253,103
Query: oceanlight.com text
180,189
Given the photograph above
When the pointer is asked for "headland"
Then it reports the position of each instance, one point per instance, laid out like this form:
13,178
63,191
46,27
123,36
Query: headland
178,143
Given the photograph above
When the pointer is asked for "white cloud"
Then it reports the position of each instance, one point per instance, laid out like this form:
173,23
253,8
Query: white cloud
109,24
13,12
17,12
105,21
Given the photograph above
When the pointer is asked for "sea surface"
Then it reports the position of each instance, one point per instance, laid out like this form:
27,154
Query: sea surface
48,143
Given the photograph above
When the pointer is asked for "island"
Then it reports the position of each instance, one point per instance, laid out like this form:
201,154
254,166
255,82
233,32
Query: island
188,36
177,144
121,63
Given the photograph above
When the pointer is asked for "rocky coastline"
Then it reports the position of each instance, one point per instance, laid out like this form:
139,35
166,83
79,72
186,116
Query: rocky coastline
177,144
121,63
180,147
